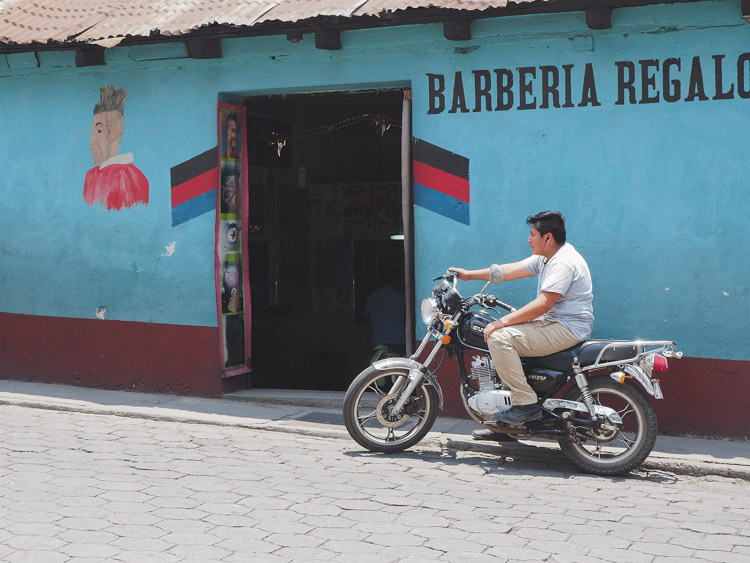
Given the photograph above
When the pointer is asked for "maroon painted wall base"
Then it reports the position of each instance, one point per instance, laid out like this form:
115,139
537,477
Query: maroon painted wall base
705,397
702,397
118,355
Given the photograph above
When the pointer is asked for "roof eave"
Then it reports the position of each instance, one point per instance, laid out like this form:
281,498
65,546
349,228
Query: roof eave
408,16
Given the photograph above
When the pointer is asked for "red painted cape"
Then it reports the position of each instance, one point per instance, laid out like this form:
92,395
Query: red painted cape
116,186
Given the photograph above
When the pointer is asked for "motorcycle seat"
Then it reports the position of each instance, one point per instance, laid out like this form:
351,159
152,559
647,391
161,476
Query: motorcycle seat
586,352
589,351
559,361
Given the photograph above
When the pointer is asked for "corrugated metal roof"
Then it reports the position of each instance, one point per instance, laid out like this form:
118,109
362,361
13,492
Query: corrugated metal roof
108,22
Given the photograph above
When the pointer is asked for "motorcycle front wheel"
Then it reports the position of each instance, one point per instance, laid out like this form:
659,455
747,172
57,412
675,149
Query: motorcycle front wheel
622,449
367,411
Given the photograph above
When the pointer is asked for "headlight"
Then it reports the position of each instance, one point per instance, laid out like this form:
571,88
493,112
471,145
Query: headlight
429,310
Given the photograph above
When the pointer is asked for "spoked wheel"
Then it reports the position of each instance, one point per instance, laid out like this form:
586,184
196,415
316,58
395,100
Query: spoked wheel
622,448
368,416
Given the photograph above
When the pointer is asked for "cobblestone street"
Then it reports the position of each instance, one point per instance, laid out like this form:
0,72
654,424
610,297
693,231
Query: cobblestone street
84,487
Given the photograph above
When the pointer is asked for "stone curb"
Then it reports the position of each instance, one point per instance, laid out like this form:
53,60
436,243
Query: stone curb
448,444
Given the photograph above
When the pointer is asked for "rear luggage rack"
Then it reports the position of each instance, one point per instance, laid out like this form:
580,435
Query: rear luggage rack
640,348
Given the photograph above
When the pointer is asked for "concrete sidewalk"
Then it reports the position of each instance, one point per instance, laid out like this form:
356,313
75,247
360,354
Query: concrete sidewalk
318,413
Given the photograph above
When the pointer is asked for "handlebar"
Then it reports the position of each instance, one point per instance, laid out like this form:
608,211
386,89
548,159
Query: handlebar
492,301
447,276
485,300
450,276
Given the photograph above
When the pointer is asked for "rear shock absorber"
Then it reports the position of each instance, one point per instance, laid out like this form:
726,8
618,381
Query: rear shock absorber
588,400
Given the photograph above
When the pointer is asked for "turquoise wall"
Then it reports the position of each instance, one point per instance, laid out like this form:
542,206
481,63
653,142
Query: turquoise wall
655,194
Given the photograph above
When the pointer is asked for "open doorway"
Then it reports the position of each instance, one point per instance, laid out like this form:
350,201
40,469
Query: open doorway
324,231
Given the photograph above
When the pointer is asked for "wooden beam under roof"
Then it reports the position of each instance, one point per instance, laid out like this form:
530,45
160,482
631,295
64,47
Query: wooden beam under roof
328,39
90,55
204,48
599,17
458,29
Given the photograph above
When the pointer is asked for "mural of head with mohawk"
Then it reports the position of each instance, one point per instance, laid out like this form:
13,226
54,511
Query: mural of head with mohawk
114,181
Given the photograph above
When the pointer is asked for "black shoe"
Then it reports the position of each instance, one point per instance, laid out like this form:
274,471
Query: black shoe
519,414
491,435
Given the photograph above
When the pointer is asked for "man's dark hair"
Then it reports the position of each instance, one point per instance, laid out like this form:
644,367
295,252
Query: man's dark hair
551,222
232,117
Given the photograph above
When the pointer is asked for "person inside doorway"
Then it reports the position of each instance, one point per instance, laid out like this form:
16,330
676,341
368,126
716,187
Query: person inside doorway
560,317
386,308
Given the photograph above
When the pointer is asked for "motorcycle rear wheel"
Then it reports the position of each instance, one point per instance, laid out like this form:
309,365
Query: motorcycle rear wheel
619,451
369,422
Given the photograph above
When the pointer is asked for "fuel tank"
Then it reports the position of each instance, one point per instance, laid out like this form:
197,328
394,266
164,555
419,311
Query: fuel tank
471,330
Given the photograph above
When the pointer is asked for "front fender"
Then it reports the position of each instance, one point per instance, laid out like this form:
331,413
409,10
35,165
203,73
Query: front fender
411,366
396,363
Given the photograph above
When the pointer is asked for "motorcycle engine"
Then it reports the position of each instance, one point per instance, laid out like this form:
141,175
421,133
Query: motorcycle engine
490,402
490,398
483,370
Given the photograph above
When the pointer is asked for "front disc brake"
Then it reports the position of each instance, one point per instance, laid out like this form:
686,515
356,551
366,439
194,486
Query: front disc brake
384,415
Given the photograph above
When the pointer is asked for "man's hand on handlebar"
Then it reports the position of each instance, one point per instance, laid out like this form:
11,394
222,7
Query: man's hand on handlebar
460,272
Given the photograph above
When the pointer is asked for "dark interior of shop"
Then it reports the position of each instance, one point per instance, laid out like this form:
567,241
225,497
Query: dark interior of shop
324,177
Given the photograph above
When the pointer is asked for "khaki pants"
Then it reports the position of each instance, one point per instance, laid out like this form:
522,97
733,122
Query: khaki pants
508,345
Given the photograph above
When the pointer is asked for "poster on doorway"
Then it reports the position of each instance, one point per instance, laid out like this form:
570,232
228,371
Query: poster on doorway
232,284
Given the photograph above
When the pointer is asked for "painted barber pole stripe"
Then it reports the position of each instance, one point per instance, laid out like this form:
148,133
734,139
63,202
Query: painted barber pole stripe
441,181
194,187
441,158
441,204
194,207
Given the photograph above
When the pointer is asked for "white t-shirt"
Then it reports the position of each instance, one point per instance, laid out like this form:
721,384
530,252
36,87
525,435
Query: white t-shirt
568,274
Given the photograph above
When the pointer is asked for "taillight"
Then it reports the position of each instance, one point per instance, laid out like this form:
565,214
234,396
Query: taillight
653,362
660,363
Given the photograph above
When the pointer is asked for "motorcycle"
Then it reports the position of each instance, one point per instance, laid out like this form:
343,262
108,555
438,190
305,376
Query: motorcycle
604,421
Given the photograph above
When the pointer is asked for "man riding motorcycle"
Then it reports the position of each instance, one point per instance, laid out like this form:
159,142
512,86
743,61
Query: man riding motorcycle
560,317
